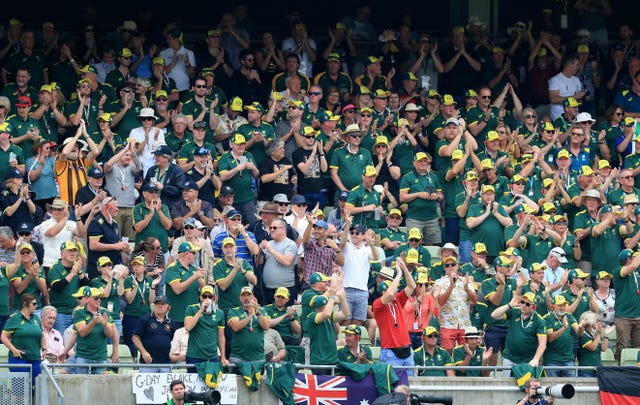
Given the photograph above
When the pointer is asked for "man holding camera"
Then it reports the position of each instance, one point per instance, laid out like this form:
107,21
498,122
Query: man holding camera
178,391
532,397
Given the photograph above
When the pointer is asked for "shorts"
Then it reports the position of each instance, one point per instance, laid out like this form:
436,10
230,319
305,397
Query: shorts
495,337
357,301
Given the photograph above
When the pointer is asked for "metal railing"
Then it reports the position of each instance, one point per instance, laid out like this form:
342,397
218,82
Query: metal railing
16,386
42,390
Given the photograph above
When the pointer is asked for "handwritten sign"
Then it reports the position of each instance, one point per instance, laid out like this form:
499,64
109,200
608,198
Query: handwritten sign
153,388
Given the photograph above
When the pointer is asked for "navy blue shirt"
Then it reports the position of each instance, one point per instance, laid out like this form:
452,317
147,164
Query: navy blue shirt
156,336
100,229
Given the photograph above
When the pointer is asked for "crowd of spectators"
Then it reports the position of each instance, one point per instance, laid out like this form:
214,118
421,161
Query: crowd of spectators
450,200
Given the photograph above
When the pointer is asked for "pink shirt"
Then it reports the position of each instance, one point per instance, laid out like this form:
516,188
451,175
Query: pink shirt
53,338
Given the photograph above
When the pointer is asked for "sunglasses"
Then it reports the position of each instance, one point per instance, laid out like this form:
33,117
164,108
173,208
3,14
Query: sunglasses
365,115
207,296
356,233
314,93
107,265
309,136
414,240
530,116
35,304
519,183
381,146
24,233
525,303
576,134
626,177
25,252
200,86
433,335
162,99
283,204
450,264
146,119
300,205
293,107
126,57
273,228
189,227
619,114
2,107
217,220
356,136
485,97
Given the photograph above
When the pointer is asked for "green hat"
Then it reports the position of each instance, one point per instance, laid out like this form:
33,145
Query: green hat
571,102
187,247
577,273
318,277
318,301
384,286
353,330
603,274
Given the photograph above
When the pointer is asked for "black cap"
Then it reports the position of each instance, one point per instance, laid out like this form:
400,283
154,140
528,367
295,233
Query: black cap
95,173
190,185
226,190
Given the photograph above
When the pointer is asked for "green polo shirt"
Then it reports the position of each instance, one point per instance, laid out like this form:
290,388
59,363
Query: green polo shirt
130,119
4,159
344,354
20,127
459,354
140,304
490,231
4,292
187,150
359,196
230,297
522,337
26,335
241,185
322,337
62,300
284,327
489,288
421,209
257,149
112,302
350,166
94,345
561,349
32,288
176,273
248,343
154,228
440,357
393,235
475,116
203,338
589,357
627,304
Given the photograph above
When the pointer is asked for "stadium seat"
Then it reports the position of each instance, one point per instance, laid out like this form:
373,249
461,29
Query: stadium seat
4,357
375,352
629,357
607,358
433,251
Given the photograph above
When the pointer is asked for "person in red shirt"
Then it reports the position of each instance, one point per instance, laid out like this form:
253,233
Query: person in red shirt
387,310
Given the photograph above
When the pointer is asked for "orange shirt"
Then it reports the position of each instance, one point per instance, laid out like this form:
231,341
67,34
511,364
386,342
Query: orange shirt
71,175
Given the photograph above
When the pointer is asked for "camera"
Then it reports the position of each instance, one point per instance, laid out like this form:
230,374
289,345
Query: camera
209,397
565,391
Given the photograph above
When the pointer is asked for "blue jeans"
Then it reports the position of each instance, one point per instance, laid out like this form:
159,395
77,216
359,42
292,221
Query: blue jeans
560,373
248,211
35,368
452,230
94,370
313,198
389,357
62,322
357,301
118,324
465,248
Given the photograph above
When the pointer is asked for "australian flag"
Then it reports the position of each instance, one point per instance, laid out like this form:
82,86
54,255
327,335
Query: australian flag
312,389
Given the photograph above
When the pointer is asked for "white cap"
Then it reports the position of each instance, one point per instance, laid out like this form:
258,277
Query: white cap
559,254
449,246
584,117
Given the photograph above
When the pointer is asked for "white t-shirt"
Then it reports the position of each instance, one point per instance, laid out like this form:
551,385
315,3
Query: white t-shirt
52,244
566,87
156,138
356,266
179,72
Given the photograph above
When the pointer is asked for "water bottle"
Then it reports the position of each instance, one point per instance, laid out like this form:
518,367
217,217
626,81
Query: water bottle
377,214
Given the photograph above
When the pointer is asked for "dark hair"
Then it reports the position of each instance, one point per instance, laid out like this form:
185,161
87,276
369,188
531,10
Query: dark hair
244,53
26,299
174,383
290,55
611,110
